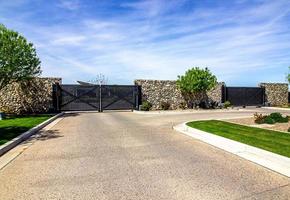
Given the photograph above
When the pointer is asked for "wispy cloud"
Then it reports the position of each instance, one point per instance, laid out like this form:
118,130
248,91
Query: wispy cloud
243,42
69,4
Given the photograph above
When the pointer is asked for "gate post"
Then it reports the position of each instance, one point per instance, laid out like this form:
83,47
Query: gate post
56,93
100,99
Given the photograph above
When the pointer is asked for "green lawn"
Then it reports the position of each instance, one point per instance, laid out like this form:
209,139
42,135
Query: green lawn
276,142
14,126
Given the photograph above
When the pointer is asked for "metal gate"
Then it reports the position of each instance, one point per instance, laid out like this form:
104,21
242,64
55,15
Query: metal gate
95,97
244,96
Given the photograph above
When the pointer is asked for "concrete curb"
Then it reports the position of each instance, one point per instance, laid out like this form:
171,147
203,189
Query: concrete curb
272,161
175,112
14,142
277,108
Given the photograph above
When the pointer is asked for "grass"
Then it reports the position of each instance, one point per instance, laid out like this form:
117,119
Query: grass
14,126
274,141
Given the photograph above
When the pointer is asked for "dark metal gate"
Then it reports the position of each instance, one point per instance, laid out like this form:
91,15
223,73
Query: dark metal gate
244,96
95,97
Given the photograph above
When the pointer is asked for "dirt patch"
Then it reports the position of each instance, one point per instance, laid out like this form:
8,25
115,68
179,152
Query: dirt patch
250,122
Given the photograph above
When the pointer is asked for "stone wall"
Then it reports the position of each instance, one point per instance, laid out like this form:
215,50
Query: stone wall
33,96
157,91
276,93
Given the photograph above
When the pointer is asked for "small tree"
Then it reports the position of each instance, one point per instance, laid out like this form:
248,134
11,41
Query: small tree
18,59
195,83
100,79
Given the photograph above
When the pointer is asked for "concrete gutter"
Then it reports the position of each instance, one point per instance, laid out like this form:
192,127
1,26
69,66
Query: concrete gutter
272,161
14,142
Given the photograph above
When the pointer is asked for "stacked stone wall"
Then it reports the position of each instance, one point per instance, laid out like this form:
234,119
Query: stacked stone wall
158,91
34,96
276,93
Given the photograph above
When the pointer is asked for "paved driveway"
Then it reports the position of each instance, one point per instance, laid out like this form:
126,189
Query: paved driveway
123,155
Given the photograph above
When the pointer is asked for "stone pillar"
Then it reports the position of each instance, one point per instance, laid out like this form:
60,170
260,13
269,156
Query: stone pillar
276,93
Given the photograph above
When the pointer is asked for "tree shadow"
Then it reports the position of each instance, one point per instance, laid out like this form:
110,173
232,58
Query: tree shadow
47,135
72,114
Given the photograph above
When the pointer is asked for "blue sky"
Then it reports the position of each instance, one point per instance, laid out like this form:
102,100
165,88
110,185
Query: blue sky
243,42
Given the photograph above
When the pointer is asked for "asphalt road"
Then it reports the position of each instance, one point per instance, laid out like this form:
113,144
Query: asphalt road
123,155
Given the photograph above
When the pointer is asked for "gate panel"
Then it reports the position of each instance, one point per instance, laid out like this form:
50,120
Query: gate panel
245,96
94,97
79,97
118,97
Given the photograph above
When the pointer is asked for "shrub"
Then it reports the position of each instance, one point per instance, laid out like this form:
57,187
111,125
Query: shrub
165,105
146,106
227,104
259,118
276,116
284,120
182,105
269,120
279,118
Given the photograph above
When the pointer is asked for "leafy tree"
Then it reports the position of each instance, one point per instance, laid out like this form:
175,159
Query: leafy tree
196,82
288,76
18,59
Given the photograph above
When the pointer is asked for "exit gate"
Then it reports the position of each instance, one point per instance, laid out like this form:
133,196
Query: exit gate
95,97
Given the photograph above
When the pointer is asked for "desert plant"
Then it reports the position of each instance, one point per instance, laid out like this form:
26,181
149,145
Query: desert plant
227,104
18,59
146,106
165,105
259,118
269,120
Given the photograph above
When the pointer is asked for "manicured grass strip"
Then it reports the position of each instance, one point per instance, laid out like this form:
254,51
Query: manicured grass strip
276,142
14,126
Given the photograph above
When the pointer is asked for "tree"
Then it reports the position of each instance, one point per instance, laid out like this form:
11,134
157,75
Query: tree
288,76
195,83
100,79
18,59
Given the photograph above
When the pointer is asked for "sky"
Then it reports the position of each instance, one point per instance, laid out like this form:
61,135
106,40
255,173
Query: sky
243,42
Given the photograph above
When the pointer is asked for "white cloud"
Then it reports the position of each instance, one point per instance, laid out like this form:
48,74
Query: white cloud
70,4
149,42
68,40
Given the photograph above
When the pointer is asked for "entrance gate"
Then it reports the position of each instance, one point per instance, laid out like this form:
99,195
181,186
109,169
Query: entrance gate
95,97
244,96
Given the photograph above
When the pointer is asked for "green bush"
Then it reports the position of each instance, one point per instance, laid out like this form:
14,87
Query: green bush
227,104
269,120
277,117
146,106
284,120
165,105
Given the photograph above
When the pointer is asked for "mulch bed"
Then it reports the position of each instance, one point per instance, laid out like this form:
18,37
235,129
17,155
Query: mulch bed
250,122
